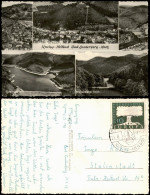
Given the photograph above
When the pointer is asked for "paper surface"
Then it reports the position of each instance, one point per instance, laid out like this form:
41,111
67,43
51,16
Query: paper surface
74,146
74,49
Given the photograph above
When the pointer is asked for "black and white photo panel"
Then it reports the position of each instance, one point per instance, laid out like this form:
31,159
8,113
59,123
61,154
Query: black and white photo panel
133,25
94,22
34,74
112,74
17,24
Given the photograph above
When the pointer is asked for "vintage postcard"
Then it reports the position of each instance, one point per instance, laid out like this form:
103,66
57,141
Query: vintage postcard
75,146
74,97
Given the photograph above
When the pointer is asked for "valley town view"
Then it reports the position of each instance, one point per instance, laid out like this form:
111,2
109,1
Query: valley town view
133,31
76,22
17,27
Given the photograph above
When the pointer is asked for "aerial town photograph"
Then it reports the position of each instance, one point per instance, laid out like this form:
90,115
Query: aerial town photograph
112,74
75,22
38,74
133,25
16,25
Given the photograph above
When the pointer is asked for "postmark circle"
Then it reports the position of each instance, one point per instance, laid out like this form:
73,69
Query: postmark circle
127,140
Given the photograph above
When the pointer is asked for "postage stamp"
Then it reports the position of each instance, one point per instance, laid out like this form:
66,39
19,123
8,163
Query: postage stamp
127,133
128,115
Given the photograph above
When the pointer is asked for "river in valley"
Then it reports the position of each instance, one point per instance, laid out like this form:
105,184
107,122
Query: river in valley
108,90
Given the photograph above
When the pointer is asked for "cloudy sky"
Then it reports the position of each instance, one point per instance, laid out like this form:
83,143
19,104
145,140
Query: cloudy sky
89,55
9,3
133,3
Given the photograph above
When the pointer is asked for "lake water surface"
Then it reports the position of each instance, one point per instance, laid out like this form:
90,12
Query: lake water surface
108,90
31,82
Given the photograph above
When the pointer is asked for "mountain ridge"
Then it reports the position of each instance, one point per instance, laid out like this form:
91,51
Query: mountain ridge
99,13
107,65
40,59
21,11
132,17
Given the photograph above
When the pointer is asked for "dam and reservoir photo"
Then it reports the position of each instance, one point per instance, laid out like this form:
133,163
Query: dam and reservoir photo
38,74
33,82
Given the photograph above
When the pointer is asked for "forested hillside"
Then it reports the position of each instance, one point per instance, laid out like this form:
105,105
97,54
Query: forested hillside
18,12
133,78
72,16
86,80
7,82
108,65
40,61
133,17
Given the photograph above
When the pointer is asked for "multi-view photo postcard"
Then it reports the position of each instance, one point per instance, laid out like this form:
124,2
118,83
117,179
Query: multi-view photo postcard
38,59
75,97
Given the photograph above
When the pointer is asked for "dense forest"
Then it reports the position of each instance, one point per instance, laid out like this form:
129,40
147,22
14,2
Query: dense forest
132,79
86,80
7,82
66,79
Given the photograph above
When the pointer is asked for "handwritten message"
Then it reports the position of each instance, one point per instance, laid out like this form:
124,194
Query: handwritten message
36,144
63,146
